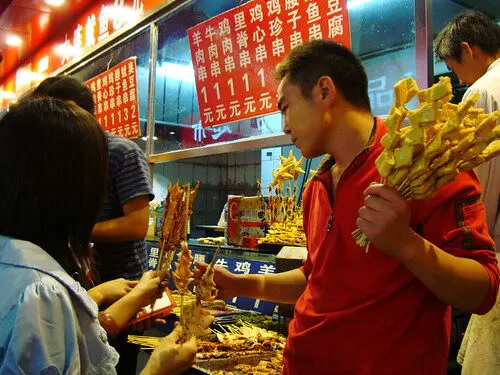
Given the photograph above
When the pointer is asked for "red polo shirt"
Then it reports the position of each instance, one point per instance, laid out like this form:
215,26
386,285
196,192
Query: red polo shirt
366,313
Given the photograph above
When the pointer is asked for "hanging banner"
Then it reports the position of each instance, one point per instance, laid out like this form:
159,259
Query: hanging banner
115,98
235,54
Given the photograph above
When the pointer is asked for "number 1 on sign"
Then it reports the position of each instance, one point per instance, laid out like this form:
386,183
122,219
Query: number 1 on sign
204,93
245,79
230,82
217,90
262,78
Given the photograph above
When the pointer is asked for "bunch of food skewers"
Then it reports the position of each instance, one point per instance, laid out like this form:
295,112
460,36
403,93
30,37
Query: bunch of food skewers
442,140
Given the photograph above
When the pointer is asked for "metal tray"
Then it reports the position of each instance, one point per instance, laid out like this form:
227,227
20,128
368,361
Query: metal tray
207,366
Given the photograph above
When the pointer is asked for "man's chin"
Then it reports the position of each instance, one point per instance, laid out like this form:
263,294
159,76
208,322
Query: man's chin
310,154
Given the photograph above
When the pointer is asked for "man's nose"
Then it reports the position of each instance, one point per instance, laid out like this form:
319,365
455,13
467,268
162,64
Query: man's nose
284,125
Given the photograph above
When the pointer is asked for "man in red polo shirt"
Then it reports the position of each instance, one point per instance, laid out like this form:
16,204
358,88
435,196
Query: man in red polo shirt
386,311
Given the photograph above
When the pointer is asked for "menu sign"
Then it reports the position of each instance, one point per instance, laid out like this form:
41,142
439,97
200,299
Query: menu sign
115,98
235,54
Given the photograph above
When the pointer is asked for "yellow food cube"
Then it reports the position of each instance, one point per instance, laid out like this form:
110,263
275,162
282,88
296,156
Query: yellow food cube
385,163
487,125
448,168
404,91
403,156
464,144
434,148
492,150
418,168
437,91
464,107
420,179
426,113
424,187
451,125
415,136
395,118
440,160
390,140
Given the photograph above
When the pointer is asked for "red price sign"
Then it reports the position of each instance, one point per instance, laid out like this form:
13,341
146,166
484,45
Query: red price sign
115,98
235,54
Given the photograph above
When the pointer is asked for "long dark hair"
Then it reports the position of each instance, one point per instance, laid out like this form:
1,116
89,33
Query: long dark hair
67,88
53,173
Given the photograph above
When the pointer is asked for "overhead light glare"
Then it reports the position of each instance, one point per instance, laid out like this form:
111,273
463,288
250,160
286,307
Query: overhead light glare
13,40
7,95
179,72
68,50
351,4
55,3
121,14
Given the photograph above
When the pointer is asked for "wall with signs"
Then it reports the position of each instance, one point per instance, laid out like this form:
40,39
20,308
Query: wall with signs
220,175
137,47
116,99
234,54
177,116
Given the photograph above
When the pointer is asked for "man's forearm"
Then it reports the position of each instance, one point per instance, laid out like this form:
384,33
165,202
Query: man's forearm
285,287
460,282
125,228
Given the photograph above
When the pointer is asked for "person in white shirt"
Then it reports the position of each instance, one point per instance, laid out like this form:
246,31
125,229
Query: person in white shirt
470,47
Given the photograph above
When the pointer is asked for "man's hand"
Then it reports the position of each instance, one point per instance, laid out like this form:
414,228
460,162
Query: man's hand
385,220
226,282
111,291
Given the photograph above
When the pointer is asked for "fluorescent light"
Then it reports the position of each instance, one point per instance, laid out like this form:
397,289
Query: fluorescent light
27,76
122,14
176,71
155,138
7,95
68,50
55,3
172,133
13,40
351,4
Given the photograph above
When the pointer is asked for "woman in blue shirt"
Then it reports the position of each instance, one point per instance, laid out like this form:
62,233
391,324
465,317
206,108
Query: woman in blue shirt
52,183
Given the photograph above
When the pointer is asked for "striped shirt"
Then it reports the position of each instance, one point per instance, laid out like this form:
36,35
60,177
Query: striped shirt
129,177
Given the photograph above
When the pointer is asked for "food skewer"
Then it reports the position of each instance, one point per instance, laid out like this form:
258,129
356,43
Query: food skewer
443,139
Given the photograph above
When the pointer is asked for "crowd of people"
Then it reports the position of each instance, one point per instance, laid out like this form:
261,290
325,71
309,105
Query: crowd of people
74,213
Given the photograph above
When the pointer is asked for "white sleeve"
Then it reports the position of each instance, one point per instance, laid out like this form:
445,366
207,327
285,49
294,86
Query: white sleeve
44,337
489,172
486,101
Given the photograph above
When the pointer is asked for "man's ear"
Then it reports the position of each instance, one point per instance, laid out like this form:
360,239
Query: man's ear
466,50
328,89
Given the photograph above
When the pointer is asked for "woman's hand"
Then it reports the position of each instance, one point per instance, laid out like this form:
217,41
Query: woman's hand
111,291
148,289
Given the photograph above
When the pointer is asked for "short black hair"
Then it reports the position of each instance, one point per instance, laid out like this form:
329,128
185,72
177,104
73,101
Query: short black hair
67,88
472,27
53,178
308,62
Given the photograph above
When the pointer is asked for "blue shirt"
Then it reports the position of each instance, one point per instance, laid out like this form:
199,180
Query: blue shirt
129,177
48,322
